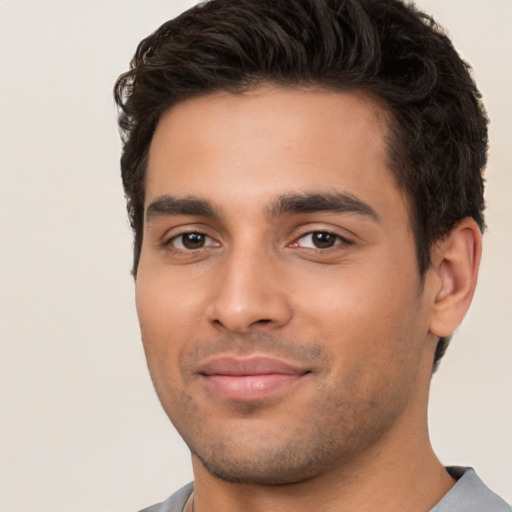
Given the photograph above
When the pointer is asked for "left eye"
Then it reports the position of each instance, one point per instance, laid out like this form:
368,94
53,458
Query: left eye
191,241
319,240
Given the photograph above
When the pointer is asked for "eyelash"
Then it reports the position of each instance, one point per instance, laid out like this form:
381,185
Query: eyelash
338,240
210,242
181,236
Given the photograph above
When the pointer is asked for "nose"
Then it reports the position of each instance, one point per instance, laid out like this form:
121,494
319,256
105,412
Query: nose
250,293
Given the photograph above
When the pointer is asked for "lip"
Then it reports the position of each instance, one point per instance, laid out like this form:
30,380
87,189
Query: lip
250,378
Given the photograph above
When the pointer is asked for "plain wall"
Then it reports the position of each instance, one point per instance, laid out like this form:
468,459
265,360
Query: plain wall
80,427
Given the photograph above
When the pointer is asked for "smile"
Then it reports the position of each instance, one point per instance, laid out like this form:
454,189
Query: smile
249,379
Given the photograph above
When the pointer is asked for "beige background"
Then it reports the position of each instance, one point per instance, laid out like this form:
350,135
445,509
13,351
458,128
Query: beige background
80,427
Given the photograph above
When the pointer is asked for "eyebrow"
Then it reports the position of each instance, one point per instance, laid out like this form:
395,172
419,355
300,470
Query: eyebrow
164,206
336,202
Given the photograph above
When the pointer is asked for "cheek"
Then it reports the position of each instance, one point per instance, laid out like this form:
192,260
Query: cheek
167,318
164,335
372,298
167,304
366,316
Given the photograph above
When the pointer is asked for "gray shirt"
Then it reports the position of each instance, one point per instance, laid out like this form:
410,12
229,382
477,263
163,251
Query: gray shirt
469,494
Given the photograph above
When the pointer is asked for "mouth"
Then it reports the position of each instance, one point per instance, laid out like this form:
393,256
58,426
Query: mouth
250,378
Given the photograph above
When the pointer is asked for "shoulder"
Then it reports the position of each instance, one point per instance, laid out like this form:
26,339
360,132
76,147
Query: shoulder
175,502
470,494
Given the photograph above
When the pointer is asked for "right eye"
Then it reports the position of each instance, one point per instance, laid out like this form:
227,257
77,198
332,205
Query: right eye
191,241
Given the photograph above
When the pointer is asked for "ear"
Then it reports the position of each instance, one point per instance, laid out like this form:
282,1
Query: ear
454,271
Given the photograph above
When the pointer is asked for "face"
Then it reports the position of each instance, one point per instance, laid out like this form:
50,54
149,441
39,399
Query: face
282,313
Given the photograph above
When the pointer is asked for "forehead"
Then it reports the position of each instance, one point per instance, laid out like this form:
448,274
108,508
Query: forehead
270,141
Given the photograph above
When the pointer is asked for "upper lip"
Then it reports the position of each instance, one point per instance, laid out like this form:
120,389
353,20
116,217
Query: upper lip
253,365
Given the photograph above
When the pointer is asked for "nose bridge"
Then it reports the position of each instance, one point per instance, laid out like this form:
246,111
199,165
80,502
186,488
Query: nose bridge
250,292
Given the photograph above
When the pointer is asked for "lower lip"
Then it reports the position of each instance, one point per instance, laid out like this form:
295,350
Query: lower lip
249,387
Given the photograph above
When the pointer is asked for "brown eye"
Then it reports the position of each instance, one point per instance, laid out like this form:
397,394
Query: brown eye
320,240
190,241
323,240
193,240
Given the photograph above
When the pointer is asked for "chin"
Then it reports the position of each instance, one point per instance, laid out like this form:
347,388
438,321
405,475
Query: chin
279,470
289,455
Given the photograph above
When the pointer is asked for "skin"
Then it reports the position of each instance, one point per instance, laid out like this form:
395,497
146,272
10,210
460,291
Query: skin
230,269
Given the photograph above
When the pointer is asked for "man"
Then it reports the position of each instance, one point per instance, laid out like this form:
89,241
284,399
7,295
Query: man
304,181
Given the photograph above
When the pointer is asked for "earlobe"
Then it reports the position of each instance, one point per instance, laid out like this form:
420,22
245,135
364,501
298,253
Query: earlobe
455,262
